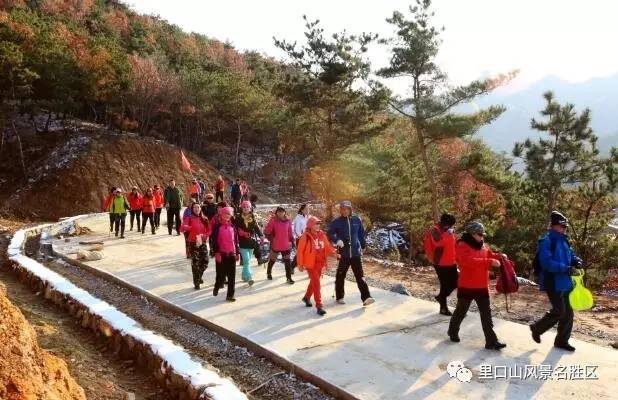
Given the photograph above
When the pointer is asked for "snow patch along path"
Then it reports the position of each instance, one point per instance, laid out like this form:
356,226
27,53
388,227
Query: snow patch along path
175,356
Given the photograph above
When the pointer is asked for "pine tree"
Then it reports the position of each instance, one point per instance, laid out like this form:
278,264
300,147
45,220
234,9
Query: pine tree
430,108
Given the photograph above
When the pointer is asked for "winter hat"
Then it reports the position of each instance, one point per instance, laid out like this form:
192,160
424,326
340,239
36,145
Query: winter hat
210,196
346,203
475,228
246,204
226,211
557,218
118,190
279,209
312,221
447,219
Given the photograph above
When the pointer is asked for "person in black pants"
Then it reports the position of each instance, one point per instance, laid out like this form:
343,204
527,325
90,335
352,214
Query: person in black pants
440,246
225,246
348,234
556,263
173,202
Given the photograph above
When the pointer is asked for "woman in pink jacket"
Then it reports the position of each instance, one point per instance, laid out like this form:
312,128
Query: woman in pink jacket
279,232
197,228
224,245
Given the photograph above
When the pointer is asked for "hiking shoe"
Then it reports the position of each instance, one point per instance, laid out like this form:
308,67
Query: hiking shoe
215,290
230,299
269,277
250,282
340,301
535,336
121,236
196,286
201,280
495,346
321,311
307,302
445,311
116,234
290,281
454,338
565,346
368,301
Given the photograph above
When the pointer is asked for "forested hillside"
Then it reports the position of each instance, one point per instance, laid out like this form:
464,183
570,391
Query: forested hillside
319,123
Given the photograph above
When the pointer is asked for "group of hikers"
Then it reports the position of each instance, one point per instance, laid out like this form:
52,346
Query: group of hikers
464,264
230,233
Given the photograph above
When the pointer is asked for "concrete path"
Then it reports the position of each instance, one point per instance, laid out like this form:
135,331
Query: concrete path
395,349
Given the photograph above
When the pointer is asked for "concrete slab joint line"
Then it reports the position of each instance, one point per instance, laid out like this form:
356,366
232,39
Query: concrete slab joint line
352,352
172,365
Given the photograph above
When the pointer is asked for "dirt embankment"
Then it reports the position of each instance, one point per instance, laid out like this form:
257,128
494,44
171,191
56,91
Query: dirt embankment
27,371
69,174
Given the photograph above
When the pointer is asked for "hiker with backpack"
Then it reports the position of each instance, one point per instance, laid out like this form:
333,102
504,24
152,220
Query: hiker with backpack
118,208
248,234
475,259
440,243
555,262
224,245
235,194
279,233
348,234
135,202
173,202
313,248
197,228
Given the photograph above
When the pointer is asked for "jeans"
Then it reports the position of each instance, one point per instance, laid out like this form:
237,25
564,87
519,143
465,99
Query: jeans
357,268
314,287
247,273
199,262
157,217
448,282
148,217
171,214
463,304
135,215
561,313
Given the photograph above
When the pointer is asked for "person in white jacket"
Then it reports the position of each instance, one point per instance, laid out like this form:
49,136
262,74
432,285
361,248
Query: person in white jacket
298,227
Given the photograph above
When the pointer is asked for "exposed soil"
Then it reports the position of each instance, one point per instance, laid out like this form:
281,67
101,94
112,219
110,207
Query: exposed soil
101,375
599,325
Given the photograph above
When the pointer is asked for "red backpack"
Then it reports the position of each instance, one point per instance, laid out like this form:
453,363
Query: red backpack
507,281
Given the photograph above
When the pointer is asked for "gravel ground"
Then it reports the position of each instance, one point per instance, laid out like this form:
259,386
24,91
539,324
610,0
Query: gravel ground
247,370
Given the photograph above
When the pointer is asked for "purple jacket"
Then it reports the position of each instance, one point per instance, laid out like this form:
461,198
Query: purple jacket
279,232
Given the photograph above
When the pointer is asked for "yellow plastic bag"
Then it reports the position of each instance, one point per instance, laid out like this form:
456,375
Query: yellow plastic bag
580,298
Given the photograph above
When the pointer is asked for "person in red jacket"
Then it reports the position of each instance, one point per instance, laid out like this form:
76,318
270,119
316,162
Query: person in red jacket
135,202
158,203
106,202
313,248
219,189
148,211
475,260
198,231
442,255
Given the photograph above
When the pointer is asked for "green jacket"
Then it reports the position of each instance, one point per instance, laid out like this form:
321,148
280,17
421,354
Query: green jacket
173,197
118,205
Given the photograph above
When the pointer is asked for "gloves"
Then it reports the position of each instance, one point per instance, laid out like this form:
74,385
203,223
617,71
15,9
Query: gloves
339,243
218,258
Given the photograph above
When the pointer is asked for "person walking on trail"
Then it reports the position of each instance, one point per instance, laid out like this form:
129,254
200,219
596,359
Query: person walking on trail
279,233
106,202
197,228
185,216
313,248
235,194
195,190
220,279
203,187
440,246
348,233
135,201
118,208
298,228
248,234
209,207
225,246
173,203
219,189
556,263
148,211
244,191
253,199
157,194
475,259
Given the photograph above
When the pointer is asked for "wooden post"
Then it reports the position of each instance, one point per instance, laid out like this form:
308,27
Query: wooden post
21,151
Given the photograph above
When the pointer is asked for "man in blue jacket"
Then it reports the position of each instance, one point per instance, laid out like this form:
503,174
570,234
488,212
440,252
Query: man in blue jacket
348,235
556,261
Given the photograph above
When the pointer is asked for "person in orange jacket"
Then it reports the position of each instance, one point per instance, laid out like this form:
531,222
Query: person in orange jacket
195,190
148,211
440,250
475,259
313,248
135,203
157,194
106,202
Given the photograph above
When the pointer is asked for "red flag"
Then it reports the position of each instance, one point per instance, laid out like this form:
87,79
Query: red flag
185,163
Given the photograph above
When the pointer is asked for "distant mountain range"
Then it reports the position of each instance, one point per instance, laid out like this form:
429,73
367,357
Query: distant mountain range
599,94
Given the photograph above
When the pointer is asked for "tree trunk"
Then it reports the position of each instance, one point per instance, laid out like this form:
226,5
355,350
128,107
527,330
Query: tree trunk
431,179
238,146
21,151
